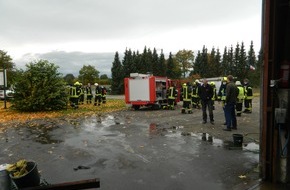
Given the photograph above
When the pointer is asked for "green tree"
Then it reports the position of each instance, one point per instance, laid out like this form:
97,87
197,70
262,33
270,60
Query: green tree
117,84
211,63
69,79
197,64
204,63
173,70
241,67
225,62
230,61
39,88
185,60
254,66
6,62
218,70
155,68
128,63
88,74
162,64
104,76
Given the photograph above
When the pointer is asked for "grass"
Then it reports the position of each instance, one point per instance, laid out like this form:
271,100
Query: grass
8,115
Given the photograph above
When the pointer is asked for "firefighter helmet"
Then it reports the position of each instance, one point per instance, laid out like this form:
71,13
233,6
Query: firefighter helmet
238,83
77,83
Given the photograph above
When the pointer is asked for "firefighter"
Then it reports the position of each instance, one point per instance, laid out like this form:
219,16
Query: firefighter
214,97
81,95
222,94
74,95
171,97
98,95
104,93
194,95
240,98
186,97
248,96
88,91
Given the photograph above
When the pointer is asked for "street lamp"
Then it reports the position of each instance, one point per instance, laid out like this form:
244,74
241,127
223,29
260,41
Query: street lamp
4,78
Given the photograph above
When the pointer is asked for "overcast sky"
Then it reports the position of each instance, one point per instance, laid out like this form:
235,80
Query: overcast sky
72,33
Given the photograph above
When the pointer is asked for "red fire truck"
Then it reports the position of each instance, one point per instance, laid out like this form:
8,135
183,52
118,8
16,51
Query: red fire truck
147,90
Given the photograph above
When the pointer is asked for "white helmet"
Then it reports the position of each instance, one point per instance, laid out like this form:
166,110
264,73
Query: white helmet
96,84
238,83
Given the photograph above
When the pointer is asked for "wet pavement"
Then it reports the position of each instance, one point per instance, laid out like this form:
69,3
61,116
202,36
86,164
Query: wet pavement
145,149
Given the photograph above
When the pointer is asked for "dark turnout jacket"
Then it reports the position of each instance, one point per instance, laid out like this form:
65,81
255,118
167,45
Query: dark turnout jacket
205,92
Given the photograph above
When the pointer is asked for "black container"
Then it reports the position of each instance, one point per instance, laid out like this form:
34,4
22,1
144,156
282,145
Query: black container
31,179
238,140
4,180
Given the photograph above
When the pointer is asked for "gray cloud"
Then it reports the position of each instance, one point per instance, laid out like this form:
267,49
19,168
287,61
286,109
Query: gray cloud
72,62
66,31
61,20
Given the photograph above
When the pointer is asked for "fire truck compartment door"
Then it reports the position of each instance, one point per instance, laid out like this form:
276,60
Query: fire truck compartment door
139,90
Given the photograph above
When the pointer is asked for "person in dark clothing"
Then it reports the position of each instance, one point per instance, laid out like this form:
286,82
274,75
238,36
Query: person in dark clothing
205,93
88,91
98,95
248,96
231,98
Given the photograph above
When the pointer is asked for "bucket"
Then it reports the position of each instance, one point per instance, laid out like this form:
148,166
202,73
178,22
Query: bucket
238,139
5,183
30,179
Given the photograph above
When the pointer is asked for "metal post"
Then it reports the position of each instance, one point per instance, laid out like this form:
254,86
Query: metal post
4,78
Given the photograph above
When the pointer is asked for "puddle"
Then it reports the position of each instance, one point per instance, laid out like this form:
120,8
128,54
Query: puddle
41,133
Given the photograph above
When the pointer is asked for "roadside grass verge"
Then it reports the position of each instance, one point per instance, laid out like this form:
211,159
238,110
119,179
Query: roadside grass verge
10,115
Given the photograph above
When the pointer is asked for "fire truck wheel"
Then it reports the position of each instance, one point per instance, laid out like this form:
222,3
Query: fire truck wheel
136,107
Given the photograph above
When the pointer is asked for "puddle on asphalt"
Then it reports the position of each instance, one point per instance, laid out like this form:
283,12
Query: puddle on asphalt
176,131
40,133
103,127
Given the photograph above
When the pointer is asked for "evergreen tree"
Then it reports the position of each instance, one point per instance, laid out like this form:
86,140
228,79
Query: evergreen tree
162,64
134,63
242,70
218,70
173,71
39,88
204,63
251,58
128,65
144,62
138,61
197,64
6,62
254,66
149,61
225,62
230,61
117,85
211,63
155,66
235,69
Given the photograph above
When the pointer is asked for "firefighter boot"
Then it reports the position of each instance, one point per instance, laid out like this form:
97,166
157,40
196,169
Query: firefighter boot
182,110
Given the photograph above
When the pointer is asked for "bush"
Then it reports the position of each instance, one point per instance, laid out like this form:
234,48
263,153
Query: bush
39,88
